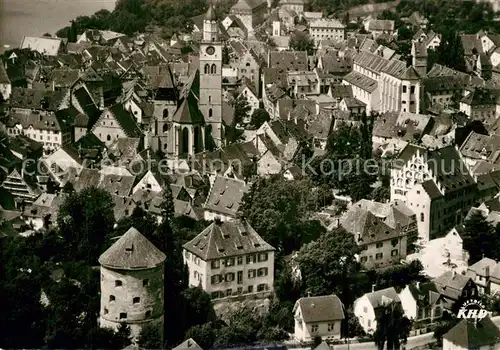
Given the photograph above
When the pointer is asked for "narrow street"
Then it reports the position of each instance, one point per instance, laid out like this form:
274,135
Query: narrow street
415,342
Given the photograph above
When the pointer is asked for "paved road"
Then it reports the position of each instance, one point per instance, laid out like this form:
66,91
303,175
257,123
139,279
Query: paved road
417,341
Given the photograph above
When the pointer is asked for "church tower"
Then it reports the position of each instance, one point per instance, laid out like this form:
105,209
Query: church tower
210,101
132,273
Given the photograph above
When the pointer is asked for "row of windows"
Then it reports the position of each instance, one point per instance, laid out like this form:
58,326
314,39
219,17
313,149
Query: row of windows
119,283
394,242
123,315
412,89
210,69
17,131
253,258
315,327
231,276
135,300
379,256
229,292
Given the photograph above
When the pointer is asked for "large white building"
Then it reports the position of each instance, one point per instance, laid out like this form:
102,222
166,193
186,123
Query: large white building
437,185
230,259
385,85
327,29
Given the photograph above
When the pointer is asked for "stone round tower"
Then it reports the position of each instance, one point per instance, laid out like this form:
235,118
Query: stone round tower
132,273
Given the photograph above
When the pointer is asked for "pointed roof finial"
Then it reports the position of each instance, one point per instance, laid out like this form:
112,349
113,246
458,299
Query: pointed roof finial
210,15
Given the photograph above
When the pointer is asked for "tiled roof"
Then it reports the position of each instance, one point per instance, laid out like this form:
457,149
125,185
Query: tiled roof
352,102
396,69
289,60
227,239
382,297
370,61
381,25
249,4
188,344
188,112
361,81
480,97
468,334
320,309
43,45
126,121
39,120
132,251
444,83
341,91
225,195
451,284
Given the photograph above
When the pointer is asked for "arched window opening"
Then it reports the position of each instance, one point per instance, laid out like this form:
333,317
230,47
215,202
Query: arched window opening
108,137
166,127
422,217
165,113
214,69
210,113
207,68
112,298
185,141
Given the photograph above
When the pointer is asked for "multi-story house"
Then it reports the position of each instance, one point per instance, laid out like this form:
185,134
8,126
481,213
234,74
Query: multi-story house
377,27
422,302
486,276
326,29
246,63
319,316
480,105
453,287
250,12
381,230
367,307
302,83
224,197
248,91
436,184
42,126
296,6
230,259
114,123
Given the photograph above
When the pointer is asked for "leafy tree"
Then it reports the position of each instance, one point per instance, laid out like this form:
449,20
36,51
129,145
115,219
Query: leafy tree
72,33
203,334
480,238
226,54
393,327
451,52
258,117
328,265
85,219
300,41
198,307
141,220
241,329
150,337
241,108
316,341
122,335
405,33
446,323
68,188
351,326
280,210
399,276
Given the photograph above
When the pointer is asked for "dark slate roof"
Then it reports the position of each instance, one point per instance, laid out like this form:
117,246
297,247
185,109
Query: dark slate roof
126,121
226,239
210,15
132,251
320,309
225,195
361,81
87,104
480,97
425,294
188,111
469,335
431,189
448,167
341,91
451,284
289,60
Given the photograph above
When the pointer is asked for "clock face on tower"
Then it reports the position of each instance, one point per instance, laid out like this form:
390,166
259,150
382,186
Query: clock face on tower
210,50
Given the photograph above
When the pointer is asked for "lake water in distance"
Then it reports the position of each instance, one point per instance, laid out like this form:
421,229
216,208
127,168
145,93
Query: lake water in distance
19,18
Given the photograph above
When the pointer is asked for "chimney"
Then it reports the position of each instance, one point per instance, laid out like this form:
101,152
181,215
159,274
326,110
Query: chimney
373,288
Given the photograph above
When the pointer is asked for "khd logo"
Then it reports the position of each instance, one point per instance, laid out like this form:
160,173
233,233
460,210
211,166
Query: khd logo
472,309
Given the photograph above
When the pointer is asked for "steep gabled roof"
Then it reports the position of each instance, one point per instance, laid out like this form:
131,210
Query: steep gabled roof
126,121
321,308
132,251
226,239
188,112
469,335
